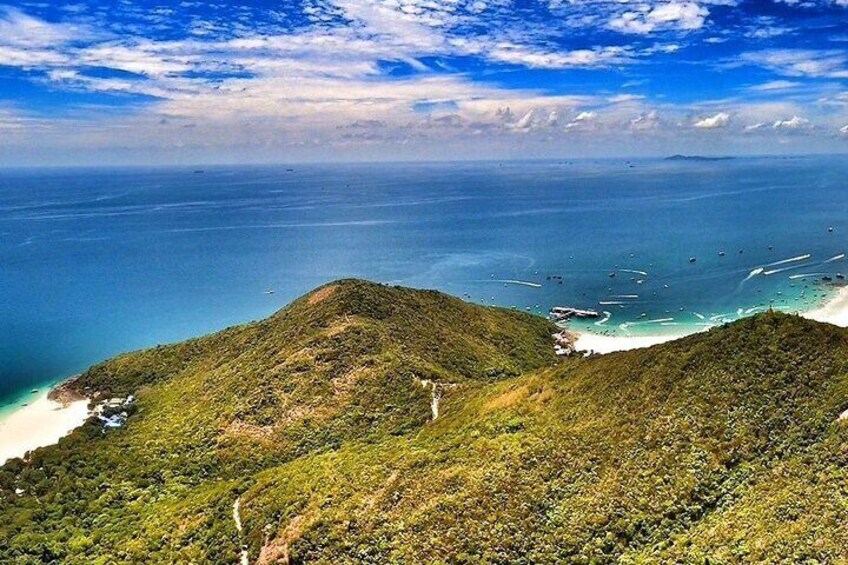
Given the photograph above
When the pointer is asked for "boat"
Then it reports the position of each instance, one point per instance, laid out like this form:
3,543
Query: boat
692,259
270,291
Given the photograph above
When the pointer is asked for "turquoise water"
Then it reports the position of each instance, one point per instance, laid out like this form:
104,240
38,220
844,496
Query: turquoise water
96,262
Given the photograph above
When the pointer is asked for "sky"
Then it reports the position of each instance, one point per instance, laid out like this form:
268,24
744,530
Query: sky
221,81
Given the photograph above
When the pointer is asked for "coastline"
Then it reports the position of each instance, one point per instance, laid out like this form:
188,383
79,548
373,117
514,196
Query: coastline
47,418
602,344
833,311
53,414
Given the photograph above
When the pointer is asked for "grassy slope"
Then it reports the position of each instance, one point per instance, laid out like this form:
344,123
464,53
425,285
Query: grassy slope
721,447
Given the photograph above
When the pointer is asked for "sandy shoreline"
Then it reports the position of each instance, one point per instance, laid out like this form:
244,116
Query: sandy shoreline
46,419
834,311
597,343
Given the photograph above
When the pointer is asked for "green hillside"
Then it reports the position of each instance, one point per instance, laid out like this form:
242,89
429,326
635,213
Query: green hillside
724,447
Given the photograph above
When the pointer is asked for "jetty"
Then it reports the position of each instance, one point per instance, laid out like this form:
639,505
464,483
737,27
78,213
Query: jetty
559,313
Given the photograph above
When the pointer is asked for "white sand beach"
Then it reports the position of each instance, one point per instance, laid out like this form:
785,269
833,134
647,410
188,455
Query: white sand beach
834,311
597,343
43,422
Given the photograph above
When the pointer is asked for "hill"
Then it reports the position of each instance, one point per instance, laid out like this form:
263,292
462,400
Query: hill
371,424
700,158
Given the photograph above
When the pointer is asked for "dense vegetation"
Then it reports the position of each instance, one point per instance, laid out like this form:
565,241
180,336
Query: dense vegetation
723,447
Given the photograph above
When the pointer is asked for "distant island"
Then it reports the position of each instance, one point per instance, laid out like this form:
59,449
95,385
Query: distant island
697,158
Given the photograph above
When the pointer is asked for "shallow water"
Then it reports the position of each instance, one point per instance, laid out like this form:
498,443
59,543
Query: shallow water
96,262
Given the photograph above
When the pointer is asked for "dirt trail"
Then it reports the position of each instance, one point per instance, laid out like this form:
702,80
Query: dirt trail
237,519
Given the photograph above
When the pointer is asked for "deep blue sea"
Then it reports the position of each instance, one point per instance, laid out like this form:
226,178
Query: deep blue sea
94,262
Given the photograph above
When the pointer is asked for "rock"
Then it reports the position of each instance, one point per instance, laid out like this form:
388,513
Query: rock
559,313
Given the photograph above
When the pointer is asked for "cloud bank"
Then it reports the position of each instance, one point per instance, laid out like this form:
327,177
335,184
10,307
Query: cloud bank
327,78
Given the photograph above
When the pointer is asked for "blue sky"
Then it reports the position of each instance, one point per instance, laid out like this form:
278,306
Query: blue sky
313,80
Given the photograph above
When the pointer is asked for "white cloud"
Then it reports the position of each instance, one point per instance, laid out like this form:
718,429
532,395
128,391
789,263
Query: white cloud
774,85
526,122
30,58
21,30
646,121
766,27
624,98
143,58
512,53
794,123
813,3
830,63
670,15
581,121
29,42
720,120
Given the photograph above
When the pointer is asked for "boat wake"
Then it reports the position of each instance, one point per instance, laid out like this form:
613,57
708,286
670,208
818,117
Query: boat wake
657,321
607,316
781,270
520,283
754,273
762,270
790,260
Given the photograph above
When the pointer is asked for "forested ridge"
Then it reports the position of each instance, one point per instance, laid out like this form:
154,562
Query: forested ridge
723,447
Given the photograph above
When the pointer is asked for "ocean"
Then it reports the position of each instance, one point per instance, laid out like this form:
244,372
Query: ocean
94,262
